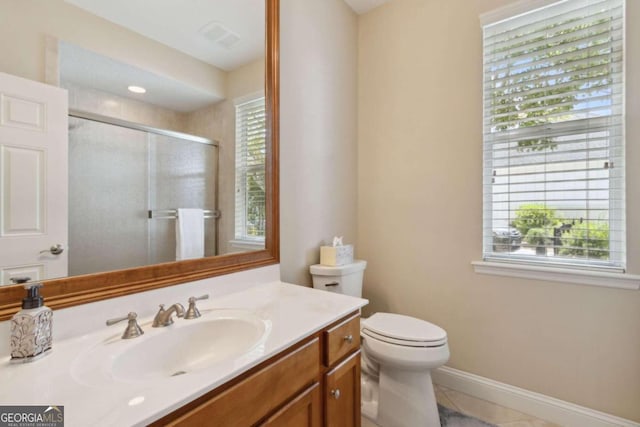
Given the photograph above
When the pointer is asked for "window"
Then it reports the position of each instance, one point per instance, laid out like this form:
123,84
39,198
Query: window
554,136
250,170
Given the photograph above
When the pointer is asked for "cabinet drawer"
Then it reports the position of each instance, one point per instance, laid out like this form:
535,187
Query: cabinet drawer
253,398
341,340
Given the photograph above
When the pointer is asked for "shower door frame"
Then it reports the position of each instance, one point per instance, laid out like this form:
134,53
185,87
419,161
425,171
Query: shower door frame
183,137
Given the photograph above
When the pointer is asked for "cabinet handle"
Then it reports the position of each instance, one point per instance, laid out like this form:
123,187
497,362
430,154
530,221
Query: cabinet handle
335,393
332,284
349,339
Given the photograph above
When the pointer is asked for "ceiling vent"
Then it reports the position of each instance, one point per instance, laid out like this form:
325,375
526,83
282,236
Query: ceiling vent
216,32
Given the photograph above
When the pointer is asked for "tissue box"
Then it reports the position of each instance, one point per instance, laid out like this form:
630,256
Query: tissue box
336,255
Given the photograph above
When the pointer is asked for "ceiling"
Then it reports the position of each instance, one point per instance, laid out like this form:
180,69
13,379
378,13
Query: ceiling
364,6
198,29
88,69
224,33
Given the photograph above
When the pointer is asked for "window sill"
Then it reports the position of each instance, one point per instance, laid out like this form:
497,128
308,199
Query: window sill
246,245
555,274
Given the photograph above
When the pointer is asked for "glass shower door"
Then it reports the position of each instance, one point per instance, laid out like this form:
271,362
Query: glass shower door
108,187
182,174
116,176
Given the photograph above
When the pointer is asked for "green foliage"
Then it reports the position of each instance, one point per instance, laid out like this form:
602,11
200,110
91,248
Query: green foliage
534,215
537,144
255,175
537,237
256,216
528,95
590,240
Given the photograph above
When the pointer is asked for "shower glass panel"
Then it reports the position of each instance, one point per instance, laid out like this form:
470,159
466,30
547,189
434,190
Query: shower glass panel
182,175
107,197
116,176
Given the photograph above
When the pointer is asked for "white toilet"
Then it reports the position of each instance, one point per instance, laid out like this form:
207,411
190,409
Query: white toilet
398,353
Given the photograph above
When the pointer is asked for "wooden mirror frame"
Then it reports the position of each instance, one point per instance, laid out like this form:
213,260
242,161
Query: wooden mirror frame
71,291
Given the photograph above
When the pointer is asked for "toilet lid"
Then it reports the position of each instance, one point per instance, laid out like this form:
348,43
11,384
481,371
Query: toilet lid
403,330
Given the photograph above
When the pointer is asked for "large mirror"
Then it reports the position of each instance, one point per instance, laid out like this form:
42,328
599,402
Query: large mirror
162,187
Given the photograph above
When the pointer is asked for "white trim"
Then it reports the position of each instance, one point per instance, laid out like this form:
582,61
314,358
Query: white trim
555,274
513,9
248,98
538,405
247,245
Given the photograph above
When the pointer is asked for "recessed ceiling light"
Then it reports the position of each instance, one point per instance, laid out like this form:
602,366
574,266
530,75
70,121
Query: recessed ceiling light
136,89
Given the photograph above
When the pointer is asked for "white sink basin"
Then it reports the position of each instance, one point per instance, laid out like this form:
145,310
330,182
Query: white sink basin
187,346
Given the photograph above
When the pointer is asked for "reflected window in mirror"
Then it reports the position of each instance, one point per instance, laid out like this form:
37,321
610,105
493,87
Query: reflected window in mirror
250,207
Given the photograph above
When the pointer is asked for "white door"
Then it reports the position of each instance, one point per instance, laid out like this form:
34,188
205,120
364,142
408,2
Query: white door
33,179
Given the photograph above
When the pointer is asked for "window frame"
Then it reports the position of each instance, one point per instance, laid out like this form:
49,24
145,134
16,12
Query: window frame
243,241
529,267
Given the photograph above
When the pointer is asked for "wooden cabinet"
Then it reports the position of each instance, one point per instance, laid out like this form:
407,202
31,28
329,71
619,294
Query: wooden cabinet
342,399
313,383
303,411
341,380
256,396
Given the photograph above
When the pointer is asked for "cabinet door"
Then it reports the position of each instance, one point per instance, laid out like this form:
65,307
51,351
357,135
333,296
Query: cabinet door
303,411
342,394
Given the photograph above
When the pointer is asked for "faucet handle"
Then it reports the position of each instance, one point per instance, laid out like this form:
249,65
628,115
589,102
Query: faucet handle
133,330
156,320
192,311
194,299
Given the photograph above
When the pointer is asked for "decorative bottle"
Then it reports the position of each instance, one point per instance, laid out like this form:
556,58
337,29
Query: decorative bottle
31,326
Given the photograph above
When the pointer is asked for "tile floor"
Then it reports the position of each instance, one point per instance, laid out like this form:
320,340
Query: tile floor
481,409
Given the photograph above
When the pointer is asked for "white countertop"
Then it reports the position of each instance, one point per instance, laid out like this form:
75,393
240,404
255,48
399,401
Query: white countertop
294,312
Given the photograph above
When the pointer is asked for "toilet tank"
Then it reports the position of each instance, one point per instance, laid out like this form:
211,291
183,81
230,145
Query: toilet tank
343,279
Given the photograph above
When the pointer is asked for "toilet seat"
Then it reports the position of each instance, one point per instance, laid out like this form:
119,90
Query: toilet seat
403,330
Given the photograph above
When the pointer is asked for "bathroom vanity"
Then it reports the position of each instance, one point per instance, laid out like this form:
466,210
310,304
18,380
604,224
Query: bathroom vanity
315,382
262,353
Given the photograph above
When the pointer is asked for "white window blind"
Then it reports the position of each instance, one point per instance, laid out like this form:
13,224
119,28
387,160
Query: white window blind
250,170
554,136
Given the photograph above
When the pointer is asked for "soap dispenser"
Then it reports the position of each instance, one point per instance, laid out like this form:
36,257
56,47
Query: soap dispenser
31,326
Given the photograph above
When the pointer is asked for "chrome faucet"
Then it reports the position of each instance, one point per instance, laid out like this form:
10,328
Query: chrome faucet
163,317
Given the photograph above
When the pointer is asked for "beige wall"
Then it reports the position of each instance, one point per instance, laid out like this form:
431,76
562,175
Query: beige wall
24,25
420,217
317,130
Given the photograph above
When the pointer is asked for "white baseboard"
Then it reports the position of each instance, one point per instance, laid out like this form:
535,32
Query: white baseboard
538,405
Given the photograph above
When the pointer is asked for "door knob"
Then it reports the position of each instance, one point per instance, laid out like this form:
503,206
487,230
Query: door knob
54,250
335,393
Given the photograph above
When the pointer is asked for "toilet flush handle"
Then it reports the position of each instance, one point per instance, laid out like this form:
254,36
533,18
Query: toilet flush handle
332,284
335,393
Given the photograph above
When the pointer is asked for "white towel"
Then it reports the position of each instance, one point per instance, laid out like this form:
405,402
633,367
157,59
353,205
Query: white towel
189,234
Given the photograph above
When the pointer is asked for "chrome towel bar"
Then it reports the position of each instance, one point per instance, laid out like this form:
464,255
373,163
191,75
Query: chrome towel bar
173,214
